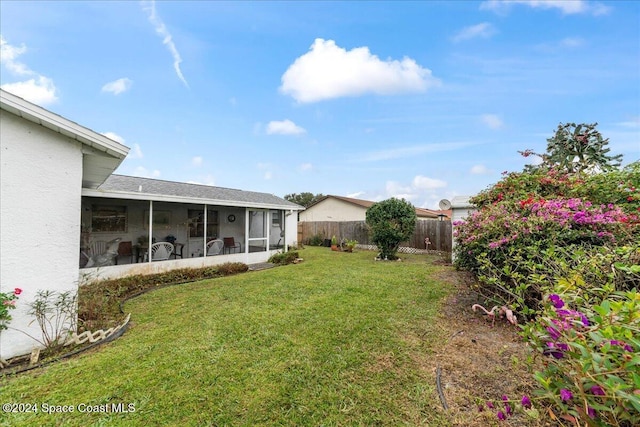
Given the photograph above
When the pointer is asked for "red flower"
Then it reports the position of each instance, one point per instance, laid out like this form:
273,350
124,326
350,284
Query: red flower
17,291
630,199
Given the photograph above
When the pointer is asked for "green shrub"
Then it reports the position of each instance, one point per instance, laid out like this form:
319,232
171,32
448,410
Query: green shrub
316,240
284,258
392,221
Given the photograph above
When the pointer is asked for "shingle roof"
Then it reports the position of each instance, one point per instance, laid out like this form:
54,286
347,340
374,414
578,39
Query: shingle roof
137,185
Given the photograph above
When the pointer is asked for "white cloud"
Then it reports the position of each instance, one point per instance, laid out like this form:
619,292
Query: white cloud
39,89
135,152
284,127
118,86
144,173
268,175
484,30
9,55
492,121
205,180
114,136
167,39
480,170
567,7
634,122
305,167
425,183
571,42
328,71
196,161
403,152
355,195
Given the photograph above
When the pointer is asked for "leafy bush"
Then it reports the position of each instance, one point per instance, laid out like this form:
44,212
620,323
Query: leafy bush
519,232
592,356
316,240
392,221
284,258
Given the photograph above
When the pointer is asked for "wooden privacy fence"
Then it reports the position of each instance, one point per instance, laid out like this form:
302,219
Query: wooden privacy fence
438,233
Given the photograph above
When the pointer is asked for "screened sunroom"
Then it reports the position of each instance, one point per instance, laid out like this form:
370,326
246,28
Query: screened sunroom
133,225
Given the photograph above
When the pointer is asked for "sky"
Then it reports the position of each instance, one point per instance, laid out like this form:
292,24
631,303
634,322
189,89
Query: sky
421,100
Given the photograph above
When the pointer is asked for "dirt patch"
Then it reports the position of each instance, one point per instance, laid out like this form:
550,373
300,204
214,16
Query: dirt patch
477,361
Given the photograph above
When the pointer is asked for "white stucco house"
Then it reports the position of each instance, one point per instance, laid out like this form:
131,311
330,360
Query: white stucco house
59,198
339,209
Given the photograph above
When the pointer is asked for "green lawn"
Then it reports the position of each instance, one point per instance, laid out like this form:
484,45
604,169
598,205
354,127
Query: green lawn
331,341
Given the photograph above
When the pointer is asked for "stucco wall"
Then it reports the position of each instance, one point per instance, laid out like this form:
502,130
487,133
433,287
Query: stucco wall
41,178
333,210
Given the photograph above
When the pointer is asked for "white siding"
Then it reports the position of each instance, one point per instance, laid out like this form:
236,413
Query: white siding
334,210
41,176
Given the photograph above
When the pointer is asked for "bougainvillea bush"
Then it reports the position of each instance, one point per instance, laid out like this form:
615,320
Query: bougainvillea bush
563,251
511,242
592,357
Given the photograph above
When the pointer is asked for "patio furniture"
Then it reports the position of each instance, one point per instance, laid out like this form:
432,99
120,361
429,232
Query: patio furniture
125,249
107,257
177,250
160,251
214,247
230,243
98,247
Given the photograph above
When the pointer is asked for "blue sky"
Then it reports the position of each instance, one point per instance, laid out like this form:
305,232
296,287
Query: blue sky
421,100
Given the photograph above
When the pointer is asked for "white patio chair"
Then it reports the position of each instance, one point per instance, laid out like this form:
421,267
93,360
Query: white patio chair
160,251
214,247
98,247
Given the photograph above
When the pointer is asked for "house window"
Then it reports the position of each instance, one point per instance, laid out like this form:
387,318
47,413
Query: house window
275,218
196,223
108,219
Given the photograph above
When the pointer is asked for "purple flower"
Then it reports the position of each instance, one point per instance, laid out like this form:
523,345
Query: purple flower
501,416
591,412
504,398
507,409
490,405
585,321
526,402
627,347
553,332
597,390
556,300
614,342
565,394
552,350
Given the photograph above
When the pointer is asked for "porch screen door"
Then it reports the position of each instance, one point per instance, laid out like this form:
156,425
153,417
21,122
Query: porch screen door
258,236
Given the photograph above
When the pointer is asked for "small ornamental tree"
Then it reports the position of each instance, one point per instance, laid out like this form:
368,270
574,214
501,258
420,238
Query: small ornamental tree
577,148
392,221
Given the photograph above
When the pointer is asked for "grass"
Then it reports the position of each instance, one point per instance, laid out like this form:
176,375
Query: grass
332,341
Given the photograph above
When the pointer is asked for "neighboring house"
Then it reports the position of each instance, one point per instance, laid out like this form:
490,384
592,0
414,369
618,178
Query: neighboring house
58,198
461,208
339,209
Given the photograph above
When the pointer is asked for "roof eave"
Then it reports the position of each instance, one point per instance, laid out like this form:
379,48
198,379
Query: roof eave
127,195
33,113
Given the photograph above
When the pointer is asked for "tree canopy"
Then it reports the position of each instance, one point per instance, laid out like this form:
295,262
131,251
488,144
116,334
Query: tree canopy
303,199
577,148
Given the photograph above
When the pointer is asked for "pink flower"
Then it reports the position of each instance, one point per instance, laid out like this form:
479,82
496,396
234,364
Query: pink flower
17,291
